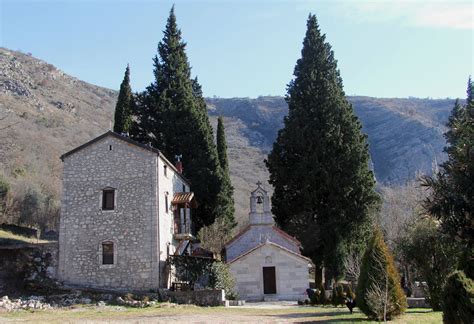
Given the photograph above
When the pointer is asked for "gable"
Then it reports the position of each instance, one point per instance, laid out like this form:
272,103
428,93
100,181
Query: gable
129,143
278,248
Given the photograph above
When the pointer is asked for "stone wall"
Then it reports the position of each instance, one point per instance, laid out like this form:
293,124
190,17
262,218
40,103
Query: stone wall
207,297
292,274
131,226
27,267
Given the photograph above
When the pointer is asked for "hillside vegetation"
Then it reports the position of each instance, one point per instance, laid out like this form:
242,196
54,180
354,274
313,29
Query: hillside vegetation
50,112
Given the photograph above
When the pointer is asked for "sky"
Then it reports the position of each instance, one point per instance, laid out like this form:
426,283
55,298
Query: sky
249,48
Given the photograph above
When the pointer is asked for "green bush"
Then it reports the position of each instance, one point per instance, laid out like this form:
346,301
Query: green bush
378,279
334,300
458,299
315,298
322,296
221,278
4,189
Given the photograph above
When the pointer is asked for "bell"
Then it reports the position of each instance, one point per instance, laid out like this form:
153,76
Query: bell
259,200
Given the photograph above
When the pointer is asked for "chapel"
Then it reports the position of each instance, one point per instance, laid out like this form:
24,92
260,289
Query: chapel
266,262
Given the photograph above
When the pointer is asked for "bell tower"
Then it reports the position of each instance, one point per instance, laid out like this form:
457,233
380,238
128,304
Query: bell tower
260,213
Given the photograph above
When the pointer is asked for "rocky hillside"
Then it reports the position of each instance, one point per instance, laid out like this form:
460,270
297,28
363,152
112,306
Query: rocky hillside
49,113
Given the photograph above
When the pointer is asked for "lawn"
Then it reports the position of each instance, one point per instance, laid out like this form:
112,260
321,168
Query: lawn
8,238
193,314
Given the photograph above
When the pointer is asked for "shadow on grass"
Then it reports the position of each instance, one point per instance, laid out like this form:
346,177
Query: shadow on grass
336,316
10,241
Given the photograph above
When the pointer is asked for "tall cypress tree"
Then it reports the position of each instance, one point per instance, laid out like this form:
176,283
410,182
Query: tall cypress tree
319,165
172,116
124,107
227,192
452,188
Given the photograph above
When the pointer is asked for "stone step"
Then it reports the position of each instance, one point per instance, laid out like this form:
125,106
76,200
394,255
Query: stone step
270,298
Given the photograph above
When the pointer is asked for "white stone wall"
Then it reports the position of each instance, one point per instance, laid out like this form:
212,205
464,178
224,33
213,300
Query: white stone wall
170,184
258,234
132,225
292,273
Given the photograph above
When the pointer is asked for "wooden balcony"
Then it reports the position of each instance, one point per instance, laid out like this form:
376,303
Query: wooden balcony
183,232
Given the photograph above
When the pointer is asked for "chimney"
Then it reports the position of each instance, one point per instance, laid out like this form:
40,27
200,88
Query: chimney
179,164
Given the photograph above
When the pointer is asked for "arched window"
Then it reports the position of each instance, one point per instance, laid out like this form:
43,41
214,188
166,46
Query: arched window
108,252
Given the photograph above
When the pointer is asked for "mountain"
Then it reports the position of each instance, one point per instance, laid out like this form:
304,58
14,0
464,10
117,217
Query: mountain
47,112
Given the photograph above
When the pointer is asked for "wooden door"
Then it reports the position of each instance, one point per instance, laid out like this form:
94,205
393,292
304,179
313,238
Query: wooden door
269,280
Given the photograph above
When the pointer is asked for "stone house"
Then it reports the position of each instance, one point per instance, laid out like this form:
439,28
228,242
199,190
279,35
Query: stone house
124,209
265,261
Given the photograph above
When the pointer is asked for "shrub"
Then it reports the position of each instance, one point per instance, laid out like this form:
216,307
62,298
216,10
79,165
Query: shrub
322,295
349,293
433,254
334,299
315,298
458,299
340,294
4,189
221,278
379,294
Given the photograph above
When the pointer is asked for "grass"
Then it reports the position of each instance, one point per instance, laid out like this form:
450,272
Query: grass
89,314
8,238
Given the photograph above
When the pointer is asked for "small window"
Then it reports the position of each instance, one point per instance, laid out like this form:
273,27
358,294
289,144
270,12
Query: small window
108,199
108,253
184,188
110,147
165,170
166,202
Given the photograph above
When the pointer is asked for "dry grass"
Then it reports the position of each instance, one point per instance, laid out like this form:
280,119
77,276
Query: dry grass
192,314
8,238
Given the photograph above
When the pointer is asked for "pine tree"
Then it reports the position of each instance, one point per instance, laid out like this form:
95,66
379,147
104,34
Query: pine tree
379,293
124,107
172,116
452,188
324,191
227,192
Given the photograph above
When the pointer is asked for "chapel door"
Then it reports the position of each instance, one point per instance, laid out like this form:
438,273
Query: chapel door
269,280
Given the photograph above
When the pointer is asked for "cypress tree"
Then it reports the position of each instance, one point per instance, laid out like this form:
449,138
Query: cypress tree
124,107
379,293
319,165
227,192
452,188
172,116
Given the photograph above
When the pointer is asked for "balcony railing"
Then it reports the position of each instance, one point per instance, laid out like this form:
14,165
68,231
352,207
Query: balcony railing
183,231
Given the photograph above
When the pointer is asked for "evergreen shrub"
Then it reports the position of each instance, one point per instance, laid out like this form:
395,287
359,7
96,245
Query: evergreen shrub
458,299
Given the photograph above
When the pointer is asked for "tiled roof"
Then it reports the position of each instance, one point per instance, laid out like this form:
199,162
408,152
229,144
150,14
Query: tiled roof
183,198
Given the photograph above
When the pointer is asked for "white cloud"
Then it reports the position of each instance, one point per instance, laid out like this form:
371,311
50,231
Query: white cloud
442,14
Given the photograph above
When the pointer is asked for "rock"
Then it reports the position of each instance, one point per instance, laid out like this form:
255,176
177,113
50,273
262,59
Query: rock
120,301
101,304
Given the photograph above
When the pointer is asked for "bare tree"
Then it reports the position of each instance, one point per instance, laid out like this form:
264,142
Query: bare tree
352,265
214,236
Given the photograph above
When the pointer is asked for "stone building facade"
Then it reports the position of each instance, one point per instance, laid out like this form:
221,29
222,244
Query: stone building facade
124,209
265,261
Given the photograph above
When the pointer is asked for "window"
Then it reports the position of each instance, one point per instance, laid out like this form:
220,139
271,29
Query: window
184,188
165,170
108,199
110,147
166,202
108,253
